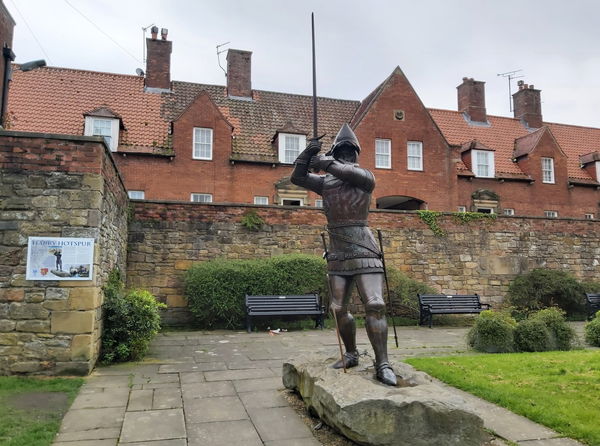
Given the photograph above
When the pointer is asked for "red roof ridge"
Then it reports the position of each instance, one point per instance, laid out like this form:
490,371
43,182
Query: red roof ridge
49,68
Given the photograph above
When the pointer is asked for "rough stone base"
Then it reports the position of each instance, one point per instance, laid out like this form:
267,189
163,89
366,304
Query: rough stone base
416,413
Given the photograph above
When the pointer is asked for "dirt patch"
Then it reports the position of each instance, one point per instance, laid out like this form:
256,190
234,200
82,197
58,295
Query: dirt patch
41,404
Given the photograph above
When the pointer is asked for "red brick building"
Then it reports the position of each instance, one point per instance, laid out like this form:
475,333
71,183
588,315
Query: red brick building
184,141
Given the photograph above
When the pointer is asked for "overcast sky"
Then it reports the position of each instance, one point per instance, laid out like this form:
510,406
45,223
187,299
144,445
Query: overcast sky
435,42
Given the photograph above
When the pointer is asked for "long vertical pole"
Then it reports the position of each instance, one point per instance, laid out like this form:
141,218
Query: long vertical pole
314,74
337,328
387,285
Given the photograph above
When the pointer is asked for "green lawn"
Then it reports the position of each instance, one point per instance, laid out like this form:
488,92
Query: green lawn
28,415
558,389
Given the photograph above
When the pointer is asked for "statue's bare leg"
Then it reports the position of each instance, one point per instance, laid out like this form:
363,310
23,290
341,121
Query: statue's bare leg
341,288
370,289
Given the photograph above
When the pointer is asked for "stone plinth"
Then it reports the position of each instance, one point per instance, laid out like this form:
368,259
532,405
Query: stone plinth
417,413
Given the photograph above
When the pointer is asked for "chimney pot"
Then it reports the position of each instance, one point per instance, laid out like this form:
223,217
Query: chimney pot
164,32
154,32
471,99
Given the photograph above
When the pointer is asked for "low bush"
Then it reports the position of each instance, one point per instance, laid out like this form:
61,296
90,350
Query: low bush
216,289
131,320
403,291
562,335
532,335
493,332
543,288
592,331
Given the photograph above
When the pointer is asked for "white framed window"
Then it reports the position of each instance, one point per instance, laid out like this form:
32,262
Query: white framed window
318,203
508,211
548,170
203,143
292,202
414,150
589,216
261,200
290,146
598,171
201,198
483,163
551,214
105,127
461,209
383,154
136,194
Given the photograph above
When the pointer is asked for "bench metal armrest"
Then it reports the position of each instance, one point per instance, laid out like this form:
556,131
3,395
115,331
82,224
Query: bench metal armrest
487,306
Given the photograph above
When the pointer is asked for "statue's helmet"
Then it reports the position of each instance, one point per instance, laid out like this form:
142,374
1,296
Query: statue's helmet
345,137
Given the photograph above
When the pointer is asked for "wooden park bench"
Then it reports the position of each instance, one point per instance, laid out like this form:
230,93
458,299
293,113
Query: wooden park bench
430,304
284,307
592,304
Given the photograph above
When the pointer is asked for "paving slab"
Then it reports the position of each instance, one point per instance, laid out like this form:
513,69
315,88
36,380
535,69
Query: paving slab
294,442
224,433
550,442
88,419
191,377
221,408
109,381
263,399
112,442
108,398
153,425
252,385
92,434
176,442
279,423
167,399
231,375
140,400
208,390
156,378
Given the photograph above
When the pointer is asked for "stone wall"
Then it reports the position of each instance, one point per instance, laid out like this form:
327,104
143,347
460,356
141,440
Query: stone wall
481,256
59,186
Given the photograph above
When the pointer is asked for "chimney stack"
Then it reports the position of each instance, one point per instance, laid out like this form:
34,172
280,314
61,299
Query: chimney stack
471,99
528,105
158,60
239,81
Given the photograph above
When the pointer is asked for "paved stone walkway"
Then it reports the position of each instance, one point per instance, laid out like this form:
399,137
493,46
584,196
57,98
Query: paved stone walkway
224,388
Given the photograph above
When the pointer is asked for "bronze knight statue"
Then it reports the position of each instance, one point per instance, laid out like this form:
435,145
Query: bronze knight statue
353,255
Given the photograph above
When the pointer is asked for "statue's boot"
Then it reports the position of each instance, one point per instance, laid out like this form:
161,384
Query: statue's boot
385,374
350,358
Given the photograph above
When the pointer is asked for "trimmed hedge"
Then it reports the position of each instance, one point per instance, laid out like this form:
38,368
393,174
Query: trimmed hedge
493,332
403,291
131,320
561,334
543,288
532,335
216,289
592,331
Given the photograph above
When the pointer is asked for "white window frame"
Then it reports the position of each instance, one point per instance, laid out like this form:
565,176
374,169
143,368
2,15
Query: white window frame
485,208
589,216
383,153
261,200
201,198
508,211
548,170
491,168
461,209
551,214
418,145
88,130
197,145
319,203
301,200
283,150
598,171
136,194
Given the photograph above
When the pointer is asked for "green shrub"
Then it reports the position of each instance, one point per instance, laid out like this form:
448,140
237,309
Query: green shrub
131,319
404,290
562,335
542,288
216,289
493,332
532,335
592,331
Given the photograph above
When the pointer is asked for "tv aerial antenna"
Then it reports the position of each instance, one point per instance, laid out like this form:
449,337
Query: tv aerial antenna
144,29
219,51
510,75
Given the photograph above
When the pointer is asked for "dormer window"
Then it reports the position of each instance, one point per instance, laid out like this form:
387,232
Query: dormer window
548,170
483,164
106,123
290,146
